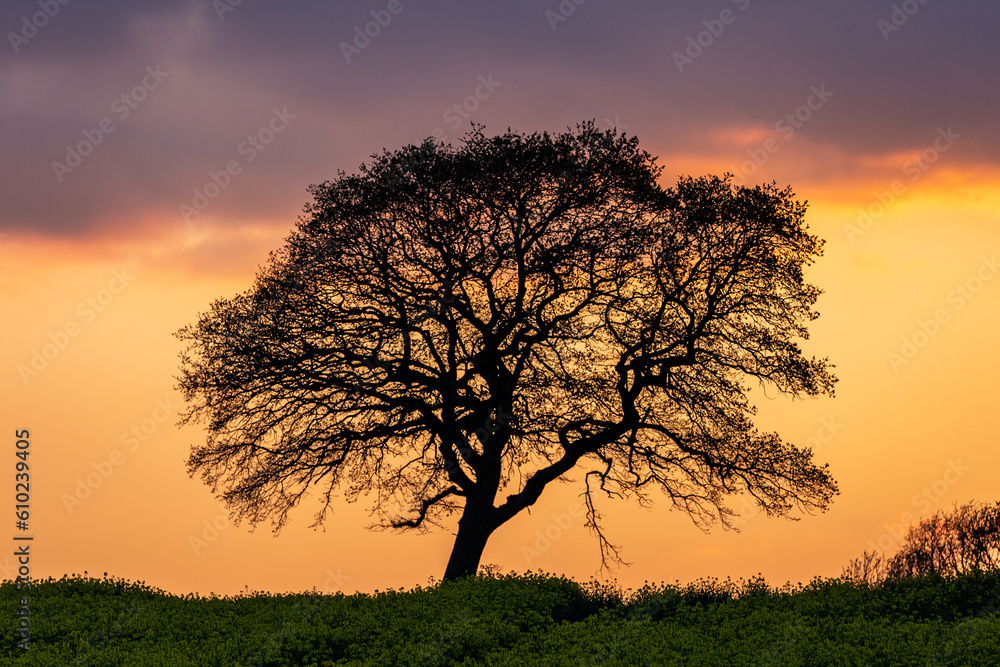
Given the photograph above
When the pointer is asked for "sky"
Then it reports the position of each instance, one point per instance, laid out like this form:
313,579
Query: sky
156,152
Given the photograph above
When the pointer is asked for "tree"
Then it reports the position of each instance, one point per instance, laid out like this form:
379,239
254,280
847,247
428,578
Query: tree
454,329
966,539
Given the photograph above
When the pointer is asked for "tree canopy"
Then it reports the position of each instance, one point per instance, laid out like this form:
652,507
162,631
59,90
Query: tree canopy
452,329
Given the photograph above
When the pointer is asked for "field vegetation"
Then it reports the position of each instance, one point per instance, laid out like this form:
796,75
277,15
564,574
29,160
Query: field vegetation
512,619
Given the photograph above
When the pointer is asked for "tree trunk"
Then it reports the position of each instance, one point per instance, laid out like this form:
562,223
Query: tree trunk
473,532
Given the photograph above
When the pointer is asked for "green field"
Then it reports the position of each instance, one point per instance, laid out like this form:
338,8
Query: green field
516,620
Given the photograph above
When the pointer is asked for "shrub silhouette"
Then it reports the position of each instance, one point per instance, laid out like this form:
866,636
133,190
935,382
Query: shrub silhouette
966,539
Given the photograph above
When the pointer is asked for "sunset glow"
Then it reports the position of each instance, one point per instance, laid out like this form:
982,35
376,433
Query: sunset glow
155,154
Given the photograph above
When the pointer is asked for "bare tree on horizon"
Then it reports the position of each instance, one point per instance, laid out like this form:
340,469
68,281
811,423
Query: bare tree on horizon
950,543
454,329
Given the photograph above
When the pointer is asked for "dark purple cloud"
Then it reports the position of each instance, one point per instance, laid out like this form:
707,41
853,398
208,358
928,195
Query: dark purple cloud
421,69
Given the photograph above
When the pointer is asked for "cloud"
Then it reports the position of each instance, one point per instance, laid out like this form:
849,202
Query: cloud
606,60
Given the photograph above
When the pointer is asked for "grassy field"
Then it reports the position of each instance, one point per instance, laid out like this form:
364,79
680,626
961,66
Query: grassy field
516,620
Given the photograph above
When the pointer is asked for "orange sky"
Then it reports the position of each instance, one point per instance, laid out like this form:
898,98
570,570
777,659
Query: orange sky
100,270
110,491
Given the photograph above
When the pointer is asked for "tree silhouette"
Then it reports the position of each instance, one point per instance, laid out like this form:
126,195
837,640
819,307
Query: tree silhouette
453,329
966,539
